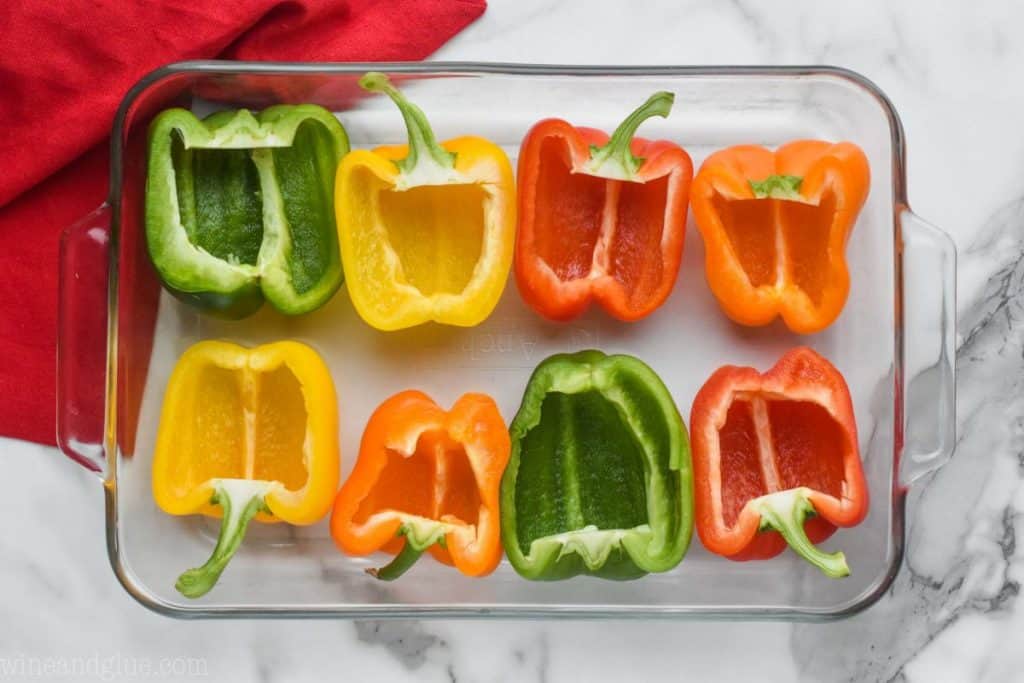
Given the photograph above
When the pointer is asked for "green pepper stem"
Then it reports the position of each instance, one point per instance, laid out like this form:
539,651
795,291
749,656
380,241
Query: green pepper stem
240,505
423,146
419,535
398,566
615,159
778,187
786,511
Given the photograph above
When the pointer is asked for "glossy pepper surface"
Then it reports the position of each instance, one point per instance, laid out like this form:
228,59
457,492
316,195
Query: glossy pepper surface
775,460
426,229
599,480
775,227
600,219
244,434
241,207
426,479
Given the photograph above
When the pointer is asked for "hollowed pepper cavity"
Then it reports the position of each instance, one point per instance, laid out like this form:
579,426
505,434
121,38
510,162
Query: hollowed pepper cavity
426,479
246,434
776,462
240,207
599,479
600,219
775,226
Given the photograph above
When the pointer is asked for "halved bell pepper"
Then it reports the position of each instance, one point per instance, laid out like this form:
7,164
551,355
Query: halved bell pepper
775,226
775,460
600,219
244,434
241,207
426,229
599,480
426,479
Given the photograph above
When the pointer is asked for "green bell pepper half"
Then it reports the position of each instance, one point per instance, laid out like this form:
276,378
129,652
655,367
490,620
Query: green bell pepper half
599,481
240,207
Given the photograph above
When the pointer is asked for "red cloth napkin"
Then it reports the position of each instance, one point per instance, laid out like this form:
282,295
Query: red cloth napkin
64,67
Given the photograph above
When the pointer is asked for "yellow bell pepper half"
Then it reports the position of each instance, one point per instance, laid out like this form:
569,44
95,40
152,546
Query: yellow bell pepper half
246,433
426,229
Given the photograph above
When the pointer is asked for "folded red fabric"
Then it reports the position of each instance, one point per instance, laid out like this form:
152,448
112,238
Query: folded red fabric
65,66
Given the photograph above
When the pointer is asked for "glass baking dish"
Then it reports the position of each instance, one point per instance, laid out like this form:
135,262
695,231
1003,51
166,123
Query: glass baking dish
120,336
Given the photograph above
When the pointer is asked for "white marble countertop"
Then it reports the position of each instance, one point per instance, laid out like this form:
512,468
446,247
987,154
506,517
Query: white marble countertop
955,72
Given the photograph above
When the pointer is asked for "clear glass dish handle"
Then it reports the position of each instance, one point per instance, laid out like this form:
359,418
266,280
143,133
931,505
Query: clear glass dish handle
929,347
82,339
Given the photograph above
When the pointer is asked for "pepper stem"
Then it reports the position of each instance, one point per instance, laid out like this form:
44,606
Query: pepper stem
778,187
615,159
786,511
418,537
240,503
423,146
402,563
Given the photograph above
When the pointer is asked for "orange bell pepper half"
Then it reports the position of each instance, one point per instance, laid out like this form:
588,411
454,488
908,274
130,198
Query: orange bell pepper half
775,460
775,226
600,218
426,479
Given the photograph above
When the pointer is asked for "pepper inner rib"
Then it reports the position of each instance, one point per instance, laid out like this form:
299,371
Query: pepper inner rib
766,445
580,466
770,444
307,189
246,425
591,226
434,482
776,240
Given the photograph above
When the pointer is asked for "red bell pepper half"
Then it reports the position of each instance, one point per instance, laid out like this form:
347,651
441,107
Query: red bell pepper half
600,218
775,460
